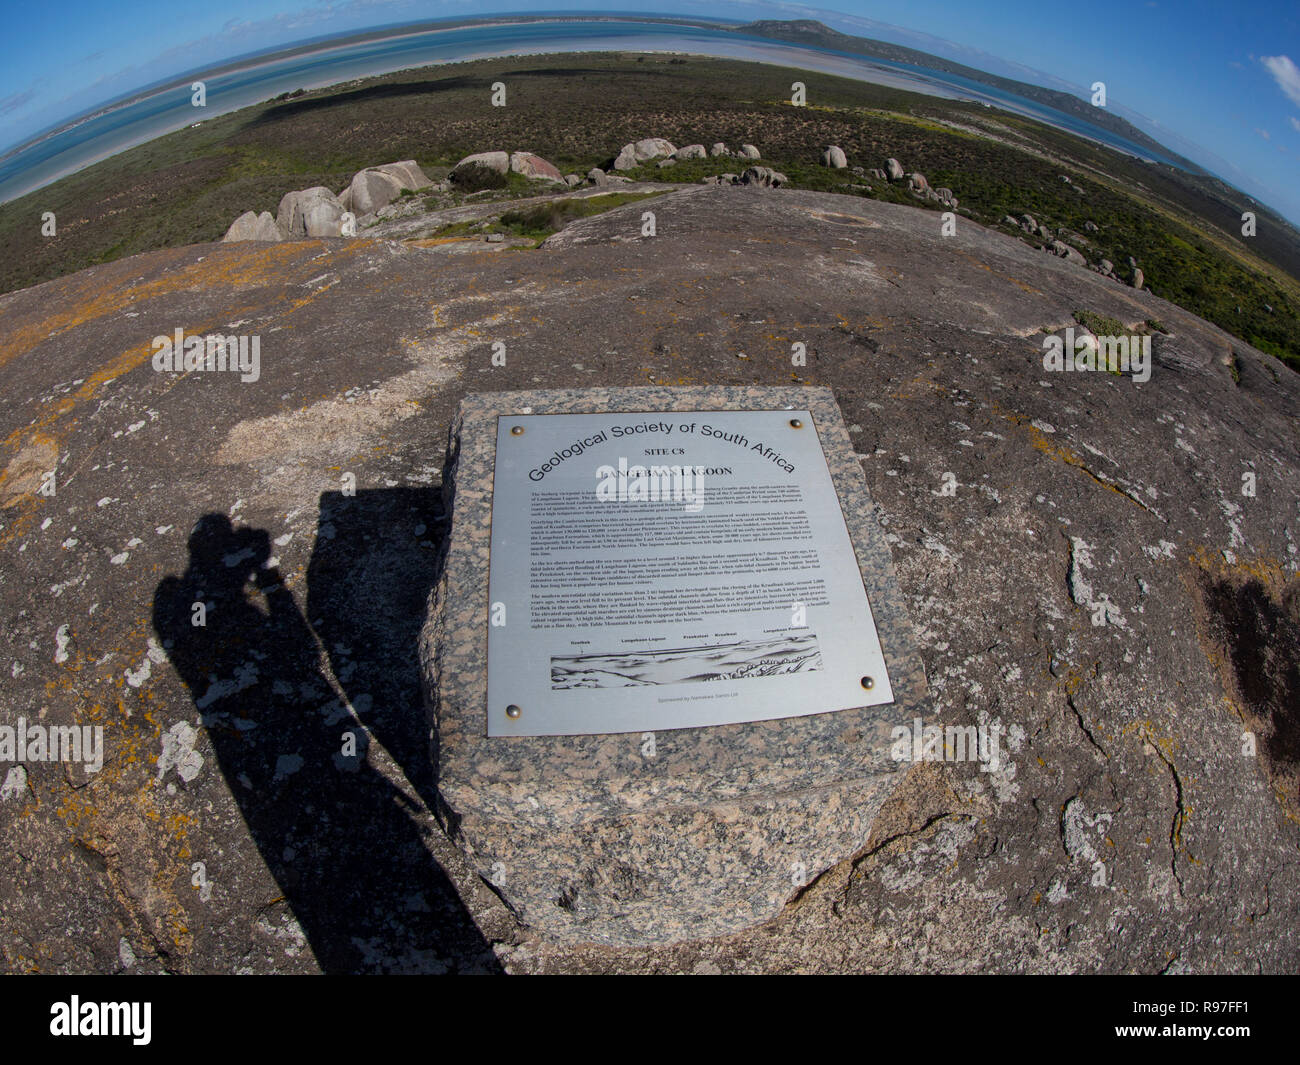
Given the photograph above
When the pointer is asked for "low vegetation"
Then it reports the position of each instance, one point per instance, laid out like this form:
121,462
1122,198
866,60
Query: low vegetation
577,110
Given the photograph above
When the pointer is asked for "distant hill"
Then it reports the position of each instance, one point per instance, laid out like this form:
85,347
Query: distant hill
815,34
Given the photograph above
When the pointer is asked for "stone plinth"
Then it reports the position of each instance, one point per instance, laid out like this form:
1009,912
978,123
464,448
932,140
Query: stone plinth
591,838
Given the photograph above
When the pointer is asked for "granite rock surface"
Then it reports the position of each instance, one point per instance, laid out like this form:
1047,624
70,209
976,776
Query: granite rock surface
1077,551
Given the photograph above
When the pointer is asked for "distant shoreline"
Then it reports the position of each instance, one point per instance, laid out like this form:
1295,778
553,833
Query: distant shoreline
253,60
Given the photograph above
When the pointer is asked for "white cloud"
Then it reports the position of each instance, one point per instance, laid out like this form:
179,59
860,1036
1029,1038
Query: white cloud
1285,73
1263,133
1295,123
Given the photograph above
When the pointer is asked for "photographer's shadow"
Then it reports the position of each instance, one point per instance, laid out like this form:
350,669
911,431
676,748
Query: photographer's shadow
341,840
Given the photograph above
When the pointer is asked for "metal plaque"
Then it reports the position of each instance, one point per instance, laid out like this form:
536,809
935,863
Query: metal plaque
671,570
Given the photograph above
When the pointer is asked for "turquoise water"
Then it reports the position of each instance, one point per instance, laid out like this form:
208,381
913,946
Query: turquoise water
141,120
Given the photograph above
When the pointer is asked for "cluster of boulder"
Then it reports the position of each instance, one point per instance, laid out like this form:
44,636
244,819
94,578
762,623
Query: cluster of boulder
1053,243
834,157
472,167
762,176
318,212
650,149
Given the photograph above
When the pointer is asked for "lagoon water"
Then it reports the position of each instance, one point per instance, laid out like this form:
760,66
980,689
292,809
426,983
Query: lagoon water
143,119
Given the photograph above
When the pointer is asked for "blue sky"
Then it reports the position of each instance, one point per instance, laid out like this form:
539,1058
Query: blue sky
1218,82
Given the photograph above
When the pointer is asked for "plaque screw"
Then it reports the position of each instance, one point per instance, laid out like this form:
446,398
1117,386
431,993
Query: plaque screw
795,423
513,711
868,683
516,430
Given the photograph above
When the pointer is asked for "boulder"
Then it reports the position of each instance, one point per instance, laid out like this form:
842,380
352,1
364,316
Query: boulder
372,190
617,179
1106,267
626,158
407,173
651,148
1007,220
895,169
729,179
345,198
834,157
1139,279
665,163
691,151
572,180
323,218
1065,251
253,226
718,149
535,167
748,151
917,181
597,176
879,174
1091,227
290,219
483,170
499,162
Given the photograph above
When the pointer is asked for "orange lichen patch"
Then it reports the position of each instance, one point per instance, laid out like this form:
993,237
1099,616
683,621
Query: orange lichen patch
252,268
433,242
118,817
998,273
110,289
1060,453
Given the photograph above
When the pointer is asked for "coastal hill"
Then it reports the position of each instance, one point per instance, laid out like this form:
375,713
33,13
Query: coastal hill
818,35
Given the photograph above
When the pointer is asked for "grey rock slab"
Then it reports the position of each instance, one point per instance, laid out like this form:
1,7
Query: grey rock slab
932,347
